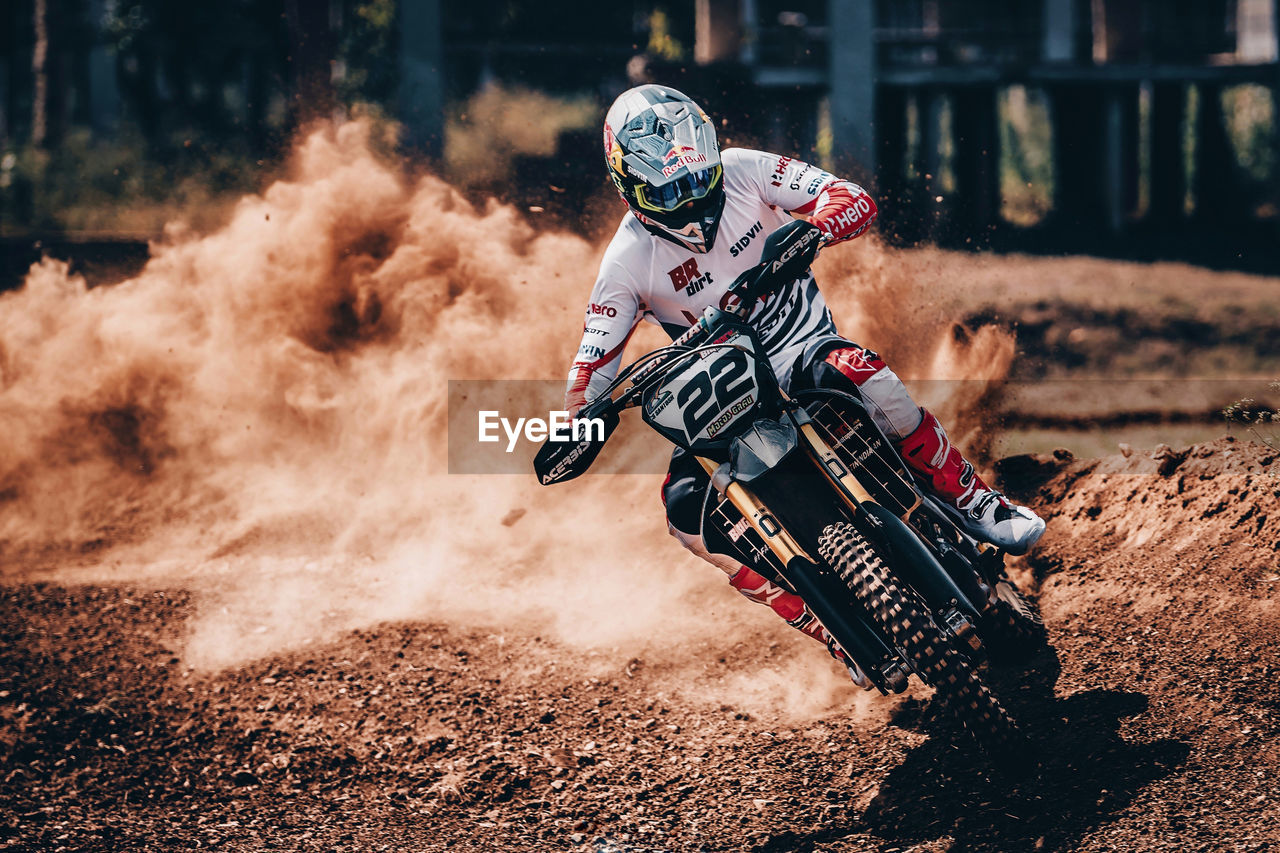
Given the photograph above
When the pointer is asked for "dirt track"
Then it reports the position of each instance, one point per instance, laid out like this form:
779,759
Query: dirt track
1158,719
241,451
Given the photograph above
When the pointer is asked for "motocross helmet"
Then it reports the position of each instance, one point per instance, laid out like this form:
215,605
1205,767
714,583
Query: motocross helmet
661,152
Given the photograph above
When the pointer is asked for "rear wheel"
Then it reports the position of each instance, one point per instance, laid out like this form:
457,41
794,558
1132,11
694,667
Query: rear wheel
904,618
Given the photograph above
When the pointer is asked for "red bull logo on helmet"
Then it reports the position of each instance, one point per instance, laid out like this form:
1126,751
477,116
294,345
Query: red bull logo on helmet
683,156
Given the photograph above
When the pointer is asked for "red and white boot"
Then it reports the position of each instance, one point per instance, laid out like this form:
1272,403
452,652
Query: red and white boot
794,612
985,513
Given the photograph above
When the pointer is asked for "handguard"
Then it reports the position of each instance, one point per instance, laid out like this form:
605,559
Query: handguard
559,461
785,257
791,249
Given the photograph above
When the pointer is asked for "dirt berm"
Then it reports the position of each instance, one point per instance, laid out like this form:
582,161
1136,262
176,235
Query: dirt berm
1158,719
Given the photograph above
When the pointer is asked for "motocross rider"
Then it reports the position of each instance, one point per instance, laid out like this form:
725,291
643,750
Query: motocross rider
697,218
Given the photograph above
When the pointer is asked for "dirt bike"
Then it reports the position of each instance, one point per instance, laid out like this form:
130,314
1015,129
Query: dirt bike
814,497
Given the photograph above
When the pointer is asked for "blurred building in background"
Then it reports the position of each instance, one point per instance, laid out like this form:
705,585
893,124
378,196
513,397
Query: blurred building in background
1140,100
1139,126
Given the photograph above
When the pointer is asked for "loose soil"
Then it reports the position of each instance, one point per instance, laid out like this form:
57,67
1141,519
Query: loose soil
1155,717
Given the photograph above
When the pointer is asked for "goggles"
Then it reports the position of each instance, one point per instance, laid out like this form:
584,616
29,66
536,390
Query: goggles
679,192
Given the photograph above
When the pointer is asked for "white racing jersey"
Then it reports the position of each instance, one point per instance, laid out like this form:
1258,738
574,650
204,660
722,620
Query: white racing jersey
643,276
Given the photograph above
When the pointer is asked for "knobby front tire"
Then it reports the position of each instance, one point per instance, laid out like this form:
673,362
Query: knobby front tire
901,614
1013,631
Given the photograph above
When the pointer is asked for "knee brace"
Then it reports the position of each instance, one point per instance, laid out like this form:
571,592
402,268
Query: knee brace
863,372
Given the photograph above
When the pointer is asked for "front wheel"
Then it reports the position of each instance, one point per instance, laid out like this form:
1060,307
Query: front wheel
1012,630
904,618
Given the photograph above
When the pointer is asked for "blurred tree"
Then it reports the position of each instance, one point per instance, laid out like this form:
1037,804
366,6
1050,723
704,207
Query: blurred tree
46,101
420,101
368,52
16,19
199,68
312,52
101,106
662,43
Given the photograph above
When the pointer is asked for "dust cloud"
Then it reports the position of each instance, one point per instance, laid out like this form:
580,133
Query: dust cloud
260,416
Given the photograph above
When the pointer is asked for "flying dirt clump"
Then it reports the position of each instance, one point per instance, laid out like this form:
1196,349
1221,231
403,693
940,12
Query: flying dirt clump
261,416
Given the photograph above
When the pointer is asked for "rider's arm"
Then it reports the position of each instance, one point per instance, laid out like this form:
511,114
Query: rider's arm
840,208
612,315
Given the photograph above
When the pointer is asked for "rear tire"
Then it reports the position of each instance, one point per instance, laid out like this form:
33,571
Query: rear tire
904,618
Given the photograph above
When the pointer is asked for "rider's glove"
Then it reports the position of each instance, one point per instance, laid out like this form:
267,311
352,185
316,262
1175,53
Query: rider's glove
843,210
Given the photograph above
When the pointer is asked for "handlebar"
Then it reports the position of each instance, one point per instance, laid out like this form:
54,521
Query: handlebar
785,256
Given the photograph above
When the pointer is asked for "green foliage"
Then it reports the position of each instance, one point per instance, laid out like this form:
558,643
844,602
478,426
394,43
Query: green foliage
380,14
1250,114
1026,163
182,66
114,186
368,54
662,43
203,97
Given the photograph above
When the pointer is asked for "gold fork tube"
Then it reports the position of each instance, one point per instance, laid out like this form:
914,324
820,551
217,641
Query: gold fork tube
780,542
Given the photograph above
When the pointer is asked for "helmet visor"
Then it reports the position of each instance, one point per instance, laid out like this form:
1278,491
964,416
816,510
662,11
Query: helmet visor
679,192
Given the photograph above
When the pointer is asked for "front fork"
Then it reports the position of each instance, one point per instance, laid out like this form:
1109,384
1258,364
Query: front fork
873,662
779,540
